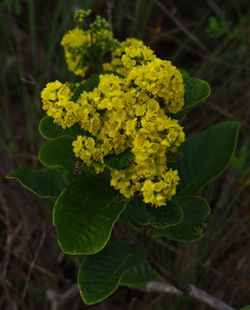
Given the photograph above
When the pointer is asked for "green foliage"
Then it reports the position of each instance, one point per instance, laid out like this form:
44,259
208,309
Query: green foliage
47,182
196,91
143,214
100,275
58,153
138,276
84,215
141,12
195,210
80,16
206,155
12,5
218,26
49,130
238,161
245,308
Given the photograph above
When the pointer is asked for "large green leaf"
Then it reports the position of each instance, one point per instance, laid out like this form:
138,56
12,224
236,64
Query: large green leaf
191,228
206,155
196,91
138,276
49,130
100,275
84,215
145,214
47,182
58,153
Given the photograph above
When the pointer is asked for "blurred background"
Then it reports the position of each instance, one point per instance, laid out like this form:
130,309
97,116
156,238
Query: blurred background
211,39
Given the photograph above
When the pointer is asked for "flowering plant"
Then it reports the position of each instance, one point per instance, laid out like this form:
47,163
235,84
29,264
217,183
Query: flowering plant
116,150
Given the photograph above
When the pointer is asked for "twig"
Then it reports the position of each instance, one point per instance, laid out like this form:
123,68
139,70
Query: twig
132,303
53,299
184,288
194,292
58,300
8,248
215,8
70,293
177,288
194,261
32,265
182,27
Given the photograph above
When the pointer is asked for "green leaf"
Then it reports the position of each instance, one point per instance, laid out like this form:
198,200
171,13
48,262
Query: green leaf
100,275
145,214
58,153
206,155
84,215
126,218
191,228
196,91
174,157
138,276
245,308
45,183
50,131
120,161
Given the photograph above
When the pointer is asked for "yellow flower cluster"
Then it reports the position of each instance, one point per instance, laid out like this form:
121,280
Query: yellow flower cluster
79,44
76,43
128,54
57,103
161,79
156,135
80,16
130,112
105,114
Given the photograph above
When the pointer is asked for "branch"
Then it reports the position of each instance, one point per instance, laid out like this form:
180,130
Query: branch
158,287
182,289
193,292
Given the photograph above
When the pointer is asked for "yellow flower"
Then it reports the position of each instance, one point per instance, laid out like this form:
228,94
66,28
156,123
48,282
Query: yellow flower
159,192
148,190
126,181
76,42
57,103
75,38
116,63
137,55
91,154
161,79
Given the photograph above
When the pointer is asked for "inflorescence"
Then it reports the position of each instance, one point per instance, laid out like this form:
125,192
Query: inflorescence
131,109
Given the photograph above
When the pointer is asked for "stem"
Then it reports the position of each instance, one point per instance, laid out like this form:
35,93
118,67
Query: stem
182,289
194,292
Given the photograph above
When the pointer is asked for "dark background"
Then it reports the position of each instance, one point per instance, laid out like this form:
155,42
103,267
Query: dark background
211,39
